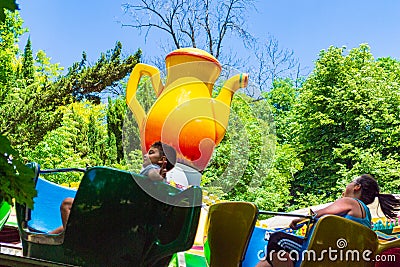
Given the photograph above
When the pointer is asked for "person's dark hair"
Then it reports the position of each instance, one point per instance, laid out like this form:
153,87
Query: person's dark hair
370,189
167,151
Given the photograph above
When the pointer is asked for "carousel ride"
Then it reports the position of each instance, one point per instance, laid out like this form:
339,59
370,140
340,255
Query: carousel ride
120,218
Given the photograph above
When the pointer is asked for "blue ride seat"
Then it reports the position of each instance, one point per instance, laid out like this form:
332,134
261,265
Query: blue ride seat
46,214
257,247
119,219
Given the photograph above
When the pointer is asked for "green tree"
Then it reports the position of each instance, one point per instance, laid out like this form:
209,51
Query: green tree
86,82
116,111
242,160
28,71
45,71
11,5
282,98
10,31
347,117
29,108
274,193
80,140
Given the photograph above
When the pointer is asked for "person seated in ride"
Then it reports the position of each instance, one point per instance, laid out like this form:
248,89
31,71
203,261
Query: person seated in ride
159,159
353,206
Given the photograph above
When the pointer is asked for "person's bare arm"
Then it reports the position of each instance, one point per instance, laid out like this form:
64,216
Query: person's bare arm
340,206
158,174
154,175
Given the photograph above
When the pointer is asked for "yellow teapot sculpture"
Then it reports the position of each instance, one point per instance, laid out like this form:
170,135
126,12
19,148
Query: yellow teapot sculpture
185,115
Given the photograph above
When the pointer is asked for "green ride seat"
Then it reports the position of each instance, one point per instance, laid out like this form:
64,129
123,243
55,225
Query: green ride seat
5,211
228,228
114,221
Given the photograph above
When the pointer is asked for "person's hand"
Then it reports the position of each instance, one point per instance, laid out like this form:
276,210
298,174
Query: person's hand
295,222
163,170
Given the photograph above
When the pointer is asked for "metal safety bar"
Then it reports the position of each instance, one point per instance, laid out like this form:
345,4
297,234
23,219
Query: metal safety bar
310,217
62,170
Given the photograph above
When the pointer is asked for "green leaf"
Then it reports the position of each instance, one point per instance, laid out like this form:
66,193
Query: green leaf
8,4
16,179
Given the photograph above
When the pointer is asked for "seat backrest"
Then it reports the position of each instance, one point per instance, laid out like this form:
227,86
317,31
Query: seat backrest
123,219
36,169
45,215
336,241
119,219
228,230
179,227
257,247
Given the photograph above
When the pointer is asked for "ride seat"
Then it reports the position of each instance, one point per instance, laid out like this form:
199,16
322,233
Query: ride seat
336,241
228,229
119,219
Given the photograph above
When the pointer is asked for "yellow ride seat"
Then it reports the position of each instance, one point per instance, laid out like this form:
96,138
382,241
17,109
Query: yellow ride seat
336,241
228,230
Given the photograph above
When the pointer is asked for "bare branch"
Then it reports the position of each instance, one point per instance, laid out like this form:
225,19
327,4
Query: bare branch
198,23
207,24
152,10
273,63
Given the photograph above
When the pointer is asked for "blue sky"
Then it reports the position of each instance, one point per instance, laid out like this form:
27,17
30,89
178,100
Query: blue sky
63,29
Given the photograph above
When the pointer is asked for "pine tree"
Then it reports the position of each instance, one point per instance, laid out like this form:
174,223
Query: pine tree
85,82
115,119
111,150
28,71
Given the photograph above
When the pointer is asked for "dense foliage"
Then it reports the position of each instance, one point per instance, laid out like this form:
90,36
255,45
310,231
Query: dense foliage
7,4
347,122
41,112
293,146
32,89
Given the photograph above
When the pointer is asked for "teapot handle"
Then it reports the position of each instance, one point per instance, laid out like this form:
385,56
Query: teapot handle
138,71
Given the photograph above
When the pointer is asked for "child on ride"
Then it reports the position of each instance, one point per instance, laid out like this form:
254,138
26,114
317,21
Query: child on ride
359,193
156,163
159,159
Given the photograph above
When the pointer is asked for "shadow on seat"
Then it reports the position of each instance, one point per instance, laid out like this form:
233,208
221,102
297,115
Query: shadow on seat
115,222
228,228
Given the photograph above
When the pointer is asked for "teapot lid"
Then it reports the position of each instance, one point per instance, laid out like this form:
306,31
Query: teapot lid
195,52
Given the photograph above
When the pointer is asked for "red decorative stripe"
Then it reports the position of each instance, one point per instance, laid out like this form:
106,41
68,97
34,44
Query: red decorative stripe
184,53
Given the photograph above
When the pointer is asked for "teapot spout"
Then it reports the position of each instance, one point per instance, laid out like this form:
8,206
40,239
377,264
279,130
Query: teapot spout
223,103
231,86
